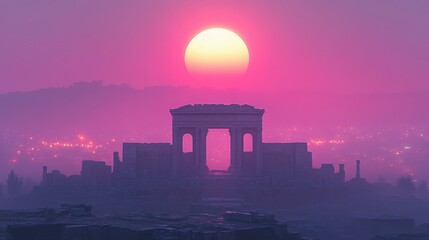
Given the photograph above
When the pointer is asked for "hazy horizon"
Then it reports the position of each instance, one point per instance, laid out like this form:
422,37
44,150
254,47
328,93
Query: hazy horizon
340,128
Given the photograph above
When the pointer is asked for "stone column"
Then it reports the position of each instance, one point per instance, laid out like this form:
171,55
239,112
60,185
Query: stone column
177,148
196,142
203,150
239,150
233,150
257,149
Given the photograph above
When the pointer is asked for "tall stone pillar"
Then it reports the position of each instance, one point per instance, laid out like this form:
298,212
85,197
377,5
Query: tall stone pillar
239,150
196,149
202,157
357,169
177,148
257,149
233,150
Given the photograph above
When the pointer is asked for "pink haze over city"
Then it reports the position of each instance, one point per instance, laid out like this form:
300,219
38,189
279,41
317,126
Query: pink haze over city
348,77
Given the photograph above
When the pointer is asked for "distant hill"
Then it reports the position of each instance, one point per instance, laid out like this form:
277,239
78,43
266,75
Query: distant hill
112,109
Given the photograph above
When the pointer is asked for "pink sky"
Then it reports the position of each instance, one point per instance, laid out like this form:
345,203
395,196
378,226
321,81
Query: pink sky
334,46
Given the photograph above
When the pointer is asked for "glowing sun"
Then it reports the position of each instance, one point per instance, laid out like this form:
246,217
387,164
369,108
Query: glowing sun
217,51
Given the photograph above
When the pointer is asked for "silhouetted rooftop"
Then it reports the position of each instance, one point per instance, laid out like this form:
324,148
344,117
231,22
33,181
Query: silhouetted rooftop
217,108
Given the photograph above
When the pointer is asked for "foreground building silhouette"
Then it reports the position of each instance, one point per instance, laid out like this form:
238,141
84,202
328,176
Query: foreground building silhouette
266,170
280,161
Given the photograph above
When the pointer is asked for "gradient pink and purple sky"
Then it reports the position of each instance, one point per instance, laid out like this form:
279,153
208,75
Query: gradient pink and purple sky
330,46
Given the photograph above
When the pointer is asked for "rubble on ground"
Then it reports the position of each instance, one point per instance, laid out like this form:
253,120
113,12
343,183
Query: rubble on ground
71,222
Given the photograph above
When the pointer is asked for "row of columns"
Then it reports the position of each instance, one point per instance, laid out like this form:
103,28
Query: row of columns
199,146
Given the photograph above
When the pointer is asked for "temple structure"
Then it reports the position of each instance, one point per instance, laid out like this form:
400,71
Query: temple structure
287,161
196,120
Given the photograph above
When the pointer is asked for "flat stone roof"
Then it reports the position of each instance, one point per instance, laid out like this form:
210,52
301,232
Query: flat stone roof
216,108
